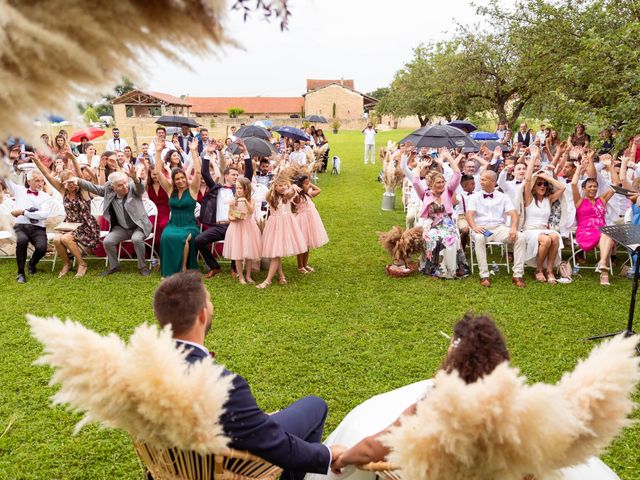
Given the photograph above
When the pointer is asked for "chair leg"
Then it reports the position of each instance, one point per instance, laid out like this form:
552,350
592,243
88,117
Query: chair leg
471,252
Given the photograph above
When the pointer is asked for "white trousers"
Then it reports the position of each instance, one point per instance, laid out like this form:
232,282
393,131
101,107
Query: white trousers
500,234
369,152
413,211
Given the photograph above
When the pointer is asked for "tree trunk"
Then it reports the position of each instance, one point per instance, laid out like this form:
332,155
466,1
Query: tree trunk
502,114
423,119
517,110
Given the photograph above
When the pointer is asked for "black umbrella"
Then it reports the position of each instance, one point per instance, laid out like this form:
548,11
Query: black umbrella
463,125
316,119
293,132
176,121
257,147
436,136
249,131
492,144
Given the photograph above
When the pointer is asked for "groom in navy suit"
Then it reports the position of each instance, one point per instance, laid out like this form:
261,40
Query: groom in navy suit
289,438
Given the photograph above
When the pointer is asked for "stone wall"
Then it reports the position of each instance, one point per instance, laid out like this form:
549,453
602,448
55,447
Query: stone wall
349,104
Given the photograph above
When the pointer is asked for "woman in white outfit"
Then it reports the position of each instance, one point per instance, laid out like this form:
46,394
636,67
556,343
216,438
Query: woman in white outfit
476,348
543,244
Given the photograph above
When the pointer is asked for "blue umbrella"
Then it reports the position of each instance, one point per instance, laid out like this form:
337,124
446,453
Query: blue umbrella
484,136
293,132
55,119
463,125
264,123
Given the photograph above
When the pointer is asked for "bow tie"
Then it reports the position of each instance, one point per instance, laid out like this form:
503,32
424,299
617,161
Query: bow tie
32,192
212,354
227,186
567,180
487,195
518,182
469,193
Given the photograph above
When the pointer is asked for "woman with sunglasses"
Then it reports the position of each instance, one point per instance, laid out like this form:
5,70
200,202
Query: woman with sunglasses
543,244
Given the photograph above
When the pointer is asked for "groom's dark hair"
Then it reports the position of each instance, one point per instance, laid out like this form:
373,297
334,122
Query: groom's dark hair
179,299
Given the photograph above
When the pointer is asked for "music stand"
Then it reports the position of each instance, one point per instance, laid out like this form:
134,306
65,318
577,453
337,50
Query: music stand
628,235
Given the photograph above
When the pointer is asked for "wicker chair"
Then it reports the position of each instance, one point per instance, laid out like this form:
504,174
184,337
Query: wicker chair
386,471
175,464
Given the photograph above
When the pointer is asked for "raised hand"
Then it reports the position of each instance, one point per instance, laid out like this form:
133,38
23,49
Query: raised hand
131,171
193,145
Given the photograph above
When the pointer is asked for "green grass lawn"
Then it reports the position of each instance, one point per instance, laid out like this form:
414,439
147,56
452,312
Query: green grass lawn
345,333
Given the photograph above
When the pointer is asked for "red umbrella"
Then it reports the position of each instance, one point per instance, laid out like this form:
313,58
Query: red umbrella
90,133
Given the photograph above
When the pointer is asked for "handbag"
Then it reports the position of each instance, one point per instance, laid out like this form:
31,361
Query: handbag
565,270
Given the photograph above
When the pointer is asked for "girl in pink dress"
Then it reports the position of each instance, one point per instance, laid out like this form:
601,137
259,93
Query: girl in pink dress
282,236
309,221
591,211
242,240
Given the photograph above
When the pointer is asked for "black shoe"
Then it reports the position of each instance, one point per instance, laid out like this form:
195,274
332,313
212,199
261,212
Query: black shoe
32,270
145,272
21,278
110,271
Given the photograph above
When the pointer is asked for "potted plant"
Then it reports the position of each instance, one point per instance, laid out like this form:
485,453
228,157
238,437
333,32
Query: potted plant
392,176
335,124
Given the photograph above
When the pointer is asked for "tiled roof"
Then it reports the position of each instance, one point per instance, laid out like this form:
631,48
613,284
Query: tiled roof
169,98
316,84
250,105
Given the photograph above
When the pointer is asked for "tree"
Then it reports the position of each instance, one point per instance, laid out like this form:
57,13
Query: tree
104,106
234,112
90,115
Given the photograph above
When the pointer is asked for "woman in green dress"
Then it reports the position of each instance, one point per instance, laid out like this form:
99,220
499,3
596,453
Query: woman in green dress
177,244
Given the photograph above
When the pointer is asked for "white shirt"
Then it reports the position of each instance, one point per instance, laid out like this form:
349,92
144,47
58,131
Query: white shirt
369,136
152,150
224,200
116,144
24,200
491,211
298,157
463,202
511,188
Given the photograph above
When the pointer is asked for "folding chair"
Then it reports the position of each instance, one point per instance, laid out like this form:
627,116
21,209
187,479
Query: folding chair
6,208
504,253
152,212
97,209
575,251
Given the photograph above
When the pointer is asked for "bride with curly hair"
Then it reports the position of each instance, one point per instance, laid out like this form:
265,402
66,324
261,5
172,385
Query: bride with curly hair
476,349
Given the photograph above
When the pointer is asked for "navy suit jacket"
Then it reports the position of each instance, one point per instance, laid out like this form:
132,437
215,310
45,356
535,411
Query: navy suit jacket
249,428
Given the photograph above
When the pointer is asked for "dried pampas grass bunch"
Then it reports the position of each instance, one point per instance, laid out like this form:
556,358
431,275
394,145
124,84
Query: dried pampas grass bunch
402,244
501,428
392,174
144,387
47,60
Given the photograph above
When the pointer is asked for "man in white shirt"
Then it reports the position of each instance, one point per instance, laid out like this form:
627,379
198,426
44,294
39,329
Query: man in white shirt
33,207
298,157
232,134
161,136
485,214
116,143
369,143
541,135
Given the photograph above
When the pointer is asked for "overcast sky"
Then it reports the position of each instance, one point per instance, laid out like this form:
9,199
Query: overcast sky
357,39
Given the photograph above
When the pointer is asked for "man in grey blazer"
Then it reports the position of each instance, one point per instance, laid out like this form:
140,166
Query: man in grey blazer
124,209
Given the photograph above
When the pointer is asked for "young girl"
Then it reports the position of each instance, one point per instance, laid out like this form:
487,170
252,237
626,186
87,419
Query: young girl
242,240
309,221
282,236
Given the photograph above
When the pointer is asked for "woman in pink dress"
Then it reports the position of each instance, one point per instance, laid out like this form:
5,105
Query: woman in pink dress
242,240
590,213
309,221
282,236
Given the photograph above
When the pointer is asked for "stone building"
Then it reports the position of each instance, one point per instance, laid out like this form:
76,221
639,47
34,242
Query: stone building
336,98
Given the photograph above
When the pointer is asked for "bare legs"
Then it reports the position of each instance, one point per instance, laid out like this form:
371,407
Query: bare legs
185,253
303,263
66,242
606,247
274,266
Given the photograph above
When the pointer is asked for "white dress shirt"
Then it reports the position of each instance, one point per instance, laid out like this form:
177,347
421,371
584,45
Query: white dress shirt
224,200
24,201
298,157
116,144
369,136
152,150
490,211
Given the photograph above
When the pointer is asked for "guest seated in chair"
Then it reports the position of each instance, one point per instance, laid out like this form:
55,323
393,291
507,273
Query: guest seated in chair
289,438
486,210
125,212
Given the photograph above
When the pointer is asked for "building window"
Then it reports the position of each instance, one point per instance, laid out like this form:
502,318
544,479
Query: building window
155,111
130,111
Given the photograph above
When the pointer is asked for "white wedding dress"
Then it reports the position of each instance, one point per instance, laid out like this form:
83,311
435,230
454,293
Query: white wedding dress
380,411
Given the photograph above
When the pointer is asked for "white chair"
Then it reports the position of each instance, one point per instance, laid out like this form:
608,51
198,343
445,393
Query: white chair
152,211
575,250
57,210
6,235
97,209
504,254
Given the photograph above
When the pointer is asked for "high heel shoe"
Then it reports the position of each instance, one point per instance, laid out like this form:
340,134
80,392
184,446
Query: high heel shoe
540,277
604,276
551,279
282,280
264,284
82,269
66,268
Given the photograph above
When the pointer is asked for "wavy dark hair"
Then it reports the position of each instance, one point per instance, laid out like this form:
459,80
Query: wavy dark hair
478,347
299,181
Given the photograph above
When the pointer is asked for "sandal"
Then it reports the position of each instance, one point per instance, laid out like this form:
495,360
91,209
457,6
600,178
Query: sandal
66,268
282,280
264,284
310,269
604,276
540,277
82,269
303,271
242,280
551,279
250,280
